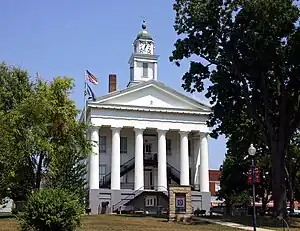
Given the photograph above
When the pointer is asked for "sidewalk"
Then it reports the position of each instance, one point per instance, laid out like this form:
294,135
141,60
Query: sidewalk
230,224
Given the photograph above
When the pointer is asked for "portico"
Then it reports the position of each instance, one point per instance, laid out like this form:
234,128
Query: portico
157,152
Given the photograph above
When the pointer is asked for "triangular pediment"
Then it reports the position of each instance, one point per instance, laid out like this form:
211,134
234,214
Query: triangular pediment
152,94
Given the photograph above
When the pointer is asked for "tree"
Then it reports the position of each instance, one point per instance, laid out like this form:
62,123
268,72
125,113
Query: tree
292,163
15,85
58,143
42,141
236,166
233,182
248,51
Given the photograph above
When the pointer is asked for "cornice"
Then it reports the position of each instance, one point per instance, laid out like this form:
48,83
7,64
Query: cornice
148,109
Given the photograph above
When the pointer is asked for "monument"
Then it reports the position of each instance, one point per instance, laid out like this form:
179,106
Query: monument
180,208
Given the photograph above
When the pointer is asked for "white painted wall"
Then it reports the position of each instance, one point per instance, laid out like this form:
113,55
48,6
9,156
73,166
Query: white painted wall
138,75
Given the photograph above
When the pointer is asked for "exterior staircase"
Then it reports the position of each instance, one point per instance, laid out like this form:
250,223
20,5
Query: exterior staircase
172,172
125,168
127,199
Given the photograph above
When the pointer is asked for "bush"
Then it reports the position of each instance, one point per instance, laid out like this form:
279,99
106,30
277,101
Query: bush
14,211
52,209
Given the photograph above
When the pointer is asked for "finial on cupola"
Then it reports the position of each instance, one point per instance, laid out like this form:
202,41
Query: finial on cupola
144,26
144,34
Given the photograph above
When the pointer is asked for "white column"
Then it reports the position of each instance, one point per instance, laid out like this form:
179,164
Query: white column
139,160
162,161
115,159
204,175
197,163
184,158
155,71
94,160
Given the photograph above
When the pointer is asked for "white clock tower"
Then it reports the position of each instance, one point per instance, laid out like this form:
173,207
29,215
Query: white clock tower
143,62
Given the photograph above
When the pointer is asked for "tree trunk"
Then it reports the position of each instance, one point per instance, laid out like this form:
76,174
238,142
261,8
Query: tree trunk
264,205
291,196
228,208
278,180
39,172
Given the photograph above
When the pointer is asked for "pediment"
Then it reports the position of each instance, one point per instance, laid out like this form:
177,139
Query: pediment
152,94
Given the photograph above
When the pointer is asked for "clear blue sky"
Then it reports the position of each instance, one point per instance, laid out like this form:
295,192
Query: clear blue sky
66,37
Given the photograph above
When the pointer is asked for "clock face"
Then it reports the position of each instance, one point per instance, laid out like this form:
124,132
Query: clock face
145,47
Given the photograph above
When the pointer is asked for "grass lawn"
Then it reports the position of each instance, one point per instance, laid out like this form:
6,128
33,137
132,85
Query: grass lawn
262,222
124,223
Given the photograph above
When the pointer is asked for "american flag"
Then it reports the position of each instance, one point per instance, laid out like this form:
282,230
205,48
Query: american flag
91,77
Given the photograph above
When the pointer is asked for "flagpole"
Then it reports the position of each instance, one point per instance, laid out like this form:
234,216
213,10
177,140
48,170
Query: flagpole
85,92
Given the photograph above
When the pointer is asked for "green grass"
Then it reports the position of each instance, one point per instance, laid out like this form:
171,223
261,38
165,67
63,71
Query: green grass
127,223
263,222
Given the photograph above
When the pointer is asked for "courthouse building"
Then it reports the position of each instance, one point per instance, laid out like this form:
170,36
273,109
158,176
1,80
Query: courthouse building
146,137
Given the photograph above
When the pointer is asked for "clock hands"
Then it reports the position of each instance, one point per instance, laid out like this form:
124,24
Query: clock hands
145,47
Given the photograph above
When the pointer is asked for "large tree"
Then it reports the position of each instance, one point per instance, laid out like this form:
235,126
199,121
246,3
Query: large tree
233,182
292,163
15,85
41,139
57,140
248,49
236,166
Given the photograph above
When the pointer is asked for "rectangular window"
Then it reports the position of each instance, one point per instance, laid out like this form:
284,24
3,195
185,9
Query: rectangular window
102,173
151,201
123,145
189,147
169,147
102,144
145,69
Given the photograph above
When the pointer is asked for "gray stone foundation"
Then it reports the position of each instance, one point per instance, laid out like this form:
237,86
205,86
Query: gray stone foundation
117,199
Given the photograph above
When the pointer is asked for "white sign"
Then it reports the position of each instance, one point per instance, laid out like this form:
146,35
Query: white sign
180,202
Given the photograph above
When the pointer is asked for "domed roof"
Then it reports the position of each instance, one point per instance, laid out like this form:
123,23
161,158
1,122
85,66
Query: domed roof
144,34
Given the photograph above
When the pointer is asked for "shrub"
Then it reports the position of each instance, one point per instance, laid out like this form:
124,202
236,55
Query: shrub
52,209
14,211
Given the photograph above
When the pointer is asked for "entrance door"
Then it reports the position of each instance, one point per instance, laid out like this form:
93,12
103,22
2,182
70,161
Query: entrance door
150,147
148,179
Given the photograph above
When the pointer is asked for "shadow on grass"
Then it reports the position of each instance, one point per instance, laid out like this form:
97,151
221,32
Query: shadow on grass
164,218
145,215
142,215
266,221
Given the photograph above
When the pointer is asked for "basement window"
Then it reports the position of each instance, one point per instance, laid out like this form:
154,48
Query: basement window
151,201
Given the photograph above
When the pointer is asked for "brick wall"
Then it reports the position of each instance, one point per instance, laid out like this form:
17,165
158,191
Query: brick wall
214,176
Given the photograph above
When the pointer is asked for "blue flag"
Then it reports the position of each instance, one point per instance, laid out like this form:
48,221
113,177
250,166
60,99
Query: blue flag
90,93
